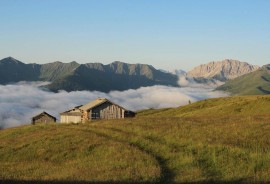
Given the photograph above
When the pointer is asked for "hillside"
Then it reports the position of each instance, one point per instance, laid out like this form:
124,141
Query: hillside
56,70
12,70
254,83
205,142
217,107
222,70
92,76
115,76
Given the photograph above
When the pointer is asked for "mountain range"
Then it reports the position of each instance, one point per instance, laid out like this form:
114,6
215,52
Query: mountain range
240,78
92,76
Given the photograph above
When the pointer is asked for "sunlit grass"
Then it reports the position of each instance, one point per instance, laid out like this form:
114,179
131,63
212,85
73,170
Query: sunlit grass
156,148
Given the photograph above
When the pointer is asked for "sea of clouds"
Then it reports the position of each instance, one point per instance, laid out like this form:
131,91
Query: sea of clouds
21,101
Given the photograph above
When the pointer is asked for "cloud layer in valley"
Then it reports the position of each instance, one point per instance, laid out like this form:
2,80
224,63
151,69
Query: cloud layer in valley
19,102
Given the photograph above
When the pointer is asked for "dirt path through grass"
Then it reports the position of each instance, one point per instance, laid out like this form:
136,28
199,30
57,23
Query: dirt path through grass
140,143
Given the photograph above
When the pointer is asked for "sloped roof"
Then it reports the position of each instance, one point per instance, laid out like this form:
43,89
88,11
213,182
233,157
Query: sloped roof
95,103
87,107
71,113
75,111
42,114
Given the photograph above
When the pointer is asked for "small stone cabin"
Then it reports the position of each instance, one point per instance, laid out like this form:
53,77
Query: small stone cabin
101,108
43,117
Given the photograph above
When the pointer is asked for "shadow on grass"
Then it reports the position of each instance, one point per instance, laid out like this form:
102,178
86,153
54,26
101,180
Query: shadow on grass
167,175
264,78
263,90
120,182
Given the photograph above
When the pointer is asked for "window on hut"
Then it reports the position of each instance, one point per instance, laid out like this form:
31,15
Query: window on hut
95,115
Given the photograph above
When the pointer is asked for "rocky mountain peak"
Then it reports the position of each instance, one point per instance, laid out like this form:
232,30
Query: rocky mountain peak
222,70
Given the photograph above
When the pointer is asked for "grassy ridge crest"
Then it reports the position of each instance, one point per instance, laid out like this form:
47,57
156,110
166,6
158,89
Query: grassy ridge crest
216,107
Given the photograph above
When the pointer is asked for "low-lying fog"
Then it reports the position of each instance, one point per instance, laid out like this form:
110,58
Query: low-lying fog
21,101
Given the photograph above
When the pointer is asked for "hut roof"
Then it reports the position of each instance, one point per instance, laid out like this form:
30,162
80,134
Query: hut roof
76,110
68,113
73,112
95,103
42,114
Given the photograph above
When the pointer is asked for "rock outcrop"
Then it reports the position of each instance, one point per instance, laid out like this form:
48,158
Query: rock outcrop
222,70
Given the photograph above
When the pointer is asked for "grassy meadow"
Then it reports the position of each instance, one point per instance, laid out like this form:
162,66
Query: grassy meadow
223,140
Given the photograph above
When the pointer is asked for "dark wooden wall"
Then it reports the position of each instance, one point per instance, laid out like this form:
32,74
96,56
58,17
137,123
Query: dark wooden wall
43,119
106,111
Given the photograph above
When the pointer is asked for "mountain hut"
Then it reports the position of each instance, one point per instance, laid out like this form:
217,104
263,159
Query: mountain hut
101,108
43,117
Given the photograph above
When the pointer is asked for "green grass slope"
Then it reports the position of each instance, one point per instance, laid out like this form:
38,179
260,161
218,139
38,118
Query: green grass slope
182,145
254,83
217,107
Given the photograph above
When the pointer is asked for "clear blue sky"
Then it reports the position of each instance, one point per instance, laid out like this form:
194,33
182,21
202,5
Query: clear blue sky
167,34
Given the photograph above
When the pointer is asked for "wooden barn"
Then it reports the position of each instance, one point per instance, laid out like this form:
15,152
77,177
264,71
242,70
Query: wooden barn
100,108
43,117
